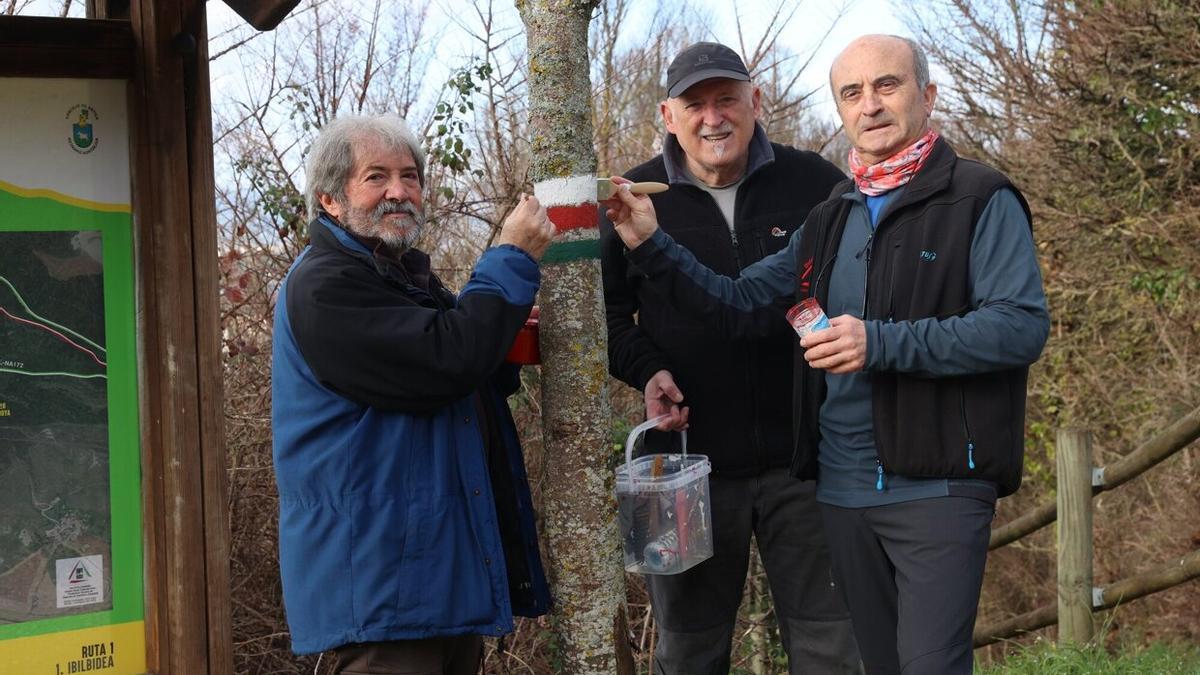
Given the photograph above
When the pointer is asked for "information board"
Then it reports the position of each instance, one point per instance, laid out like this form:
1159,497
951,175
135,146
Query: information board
71,597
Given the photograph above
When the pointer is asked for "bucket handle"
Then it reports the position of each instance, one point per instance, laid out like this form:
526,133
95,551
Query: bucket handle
638,431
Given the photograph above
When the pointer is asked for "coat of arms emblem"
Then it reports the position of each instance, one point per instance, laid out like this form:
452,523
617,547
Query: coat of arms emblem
83,138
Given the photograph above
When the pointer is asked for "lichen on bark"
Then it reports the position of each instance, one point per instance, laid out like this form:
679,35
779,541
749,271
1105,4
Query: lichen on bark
584,558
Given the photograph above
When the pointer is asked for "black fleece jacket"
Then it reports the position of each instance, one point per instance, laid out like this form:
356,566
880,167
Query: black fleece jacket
740,392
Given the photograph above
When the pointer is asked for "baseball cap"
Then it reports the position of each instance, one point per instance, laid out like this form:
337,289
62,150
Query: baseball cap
702,61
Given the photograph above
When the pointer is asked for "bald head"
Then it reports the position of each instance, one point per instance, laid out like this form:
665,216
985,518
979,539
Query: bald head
920,63
881,87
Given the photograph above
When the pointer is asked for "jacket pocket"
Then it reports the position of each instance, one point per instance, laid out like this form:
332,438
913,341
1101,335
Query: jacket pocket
968,440
381,567
315,549
934,427
986,433
460,575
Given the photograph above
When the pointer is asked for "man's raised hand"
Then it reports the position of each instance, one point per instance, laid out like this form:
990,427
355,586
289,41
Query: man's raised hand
632,215
527,227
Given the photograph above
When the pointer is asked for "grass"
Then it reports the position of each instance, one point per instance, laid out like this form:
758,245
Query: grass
1048,659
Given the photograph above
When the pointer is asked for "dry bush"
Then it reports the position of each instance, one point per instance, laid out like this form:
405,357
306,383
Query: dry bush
1091,109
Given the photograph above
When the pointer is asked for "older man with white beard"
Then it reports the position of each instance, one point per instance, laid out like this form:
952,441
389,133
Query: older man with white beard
406,529
735,198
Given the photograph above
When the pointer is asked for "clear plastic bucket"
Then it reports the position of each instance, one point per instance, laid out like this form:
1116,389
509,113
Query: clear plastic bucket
663,511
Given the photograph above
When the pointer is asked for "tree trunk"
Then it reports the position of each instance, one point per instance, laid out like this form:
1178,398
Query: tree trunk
586,577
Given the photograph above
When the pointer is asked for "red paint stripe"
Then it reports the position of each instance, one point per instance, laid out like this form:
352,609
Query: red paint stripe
578,217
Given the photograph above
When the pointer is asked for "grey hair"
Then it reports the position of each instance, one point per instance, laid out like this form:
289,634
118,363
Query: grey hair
920,61
331,157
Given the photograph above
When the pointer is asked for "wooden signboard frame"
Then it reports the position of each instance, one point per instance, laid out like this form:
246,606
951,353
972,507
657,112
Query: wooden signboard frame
160,48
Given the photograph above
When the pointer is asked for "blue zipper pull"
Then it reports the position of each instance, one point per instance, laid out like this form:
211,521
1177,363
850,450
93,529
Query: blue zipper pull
970,455
878,476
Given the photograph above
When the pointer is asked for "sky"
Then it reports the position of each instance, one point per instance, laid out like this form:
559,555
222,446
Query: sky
812,19
808,26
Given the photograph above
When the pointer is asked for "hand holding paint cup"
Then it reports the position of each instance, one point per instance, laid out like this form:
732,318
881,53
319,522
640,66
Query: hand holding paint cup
807,317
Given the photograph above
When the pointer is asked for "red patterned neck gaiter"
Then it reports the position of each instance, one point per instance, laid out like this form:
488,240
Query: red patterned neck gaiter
894,171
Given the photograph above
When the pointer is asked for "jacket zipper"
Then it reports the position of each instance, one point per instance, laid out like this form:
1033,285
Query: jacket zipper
866,250
891,300
760,452
812,290
812,293
962,404
760,449
866,273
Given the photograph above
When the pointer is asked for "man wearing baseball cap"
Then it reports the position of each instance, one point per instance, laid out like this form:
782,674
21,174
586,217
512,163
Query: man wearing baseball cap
735,198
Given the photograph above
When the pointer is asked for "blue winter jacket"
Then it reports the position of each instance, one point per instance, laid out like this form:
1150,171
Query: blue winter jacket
404,508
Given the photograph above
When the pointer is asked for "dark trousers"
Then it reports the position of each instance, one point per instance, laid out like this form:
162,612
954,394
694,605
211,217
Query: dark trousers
696,610
911,573
457,655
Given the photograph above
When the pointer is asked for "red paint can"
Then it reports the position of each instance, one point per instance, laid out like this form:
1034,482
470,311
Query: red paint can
524,350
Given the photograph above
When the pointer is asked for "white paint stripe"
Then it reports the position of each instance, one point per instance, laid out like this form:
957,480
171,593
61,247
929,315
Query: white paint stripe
566,191
578,234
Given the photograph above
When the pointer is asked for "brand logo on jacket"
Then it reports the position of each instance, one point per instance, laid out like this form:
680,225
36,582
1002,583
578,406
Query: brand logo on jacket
928,256
778,232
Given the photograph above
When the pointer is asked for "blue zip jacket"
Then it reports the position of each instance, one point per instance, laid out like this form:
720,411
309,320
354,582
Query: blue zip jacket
404,506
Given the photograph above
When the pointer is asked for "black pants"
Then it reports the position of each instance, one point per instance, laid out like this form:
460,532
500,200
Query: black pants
911,573
458,655
696,610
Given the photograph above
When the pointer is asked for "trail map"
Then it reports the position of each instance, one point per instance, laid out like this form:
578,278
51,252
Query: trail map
55,532
71,546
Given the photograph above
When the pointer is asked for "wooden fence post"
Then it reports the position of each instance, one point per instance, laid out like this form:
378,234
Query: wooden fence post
1074,459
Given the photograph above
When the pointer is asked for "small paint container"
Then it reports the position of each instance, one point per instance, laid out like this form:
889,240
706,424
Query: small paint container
807,316
525,349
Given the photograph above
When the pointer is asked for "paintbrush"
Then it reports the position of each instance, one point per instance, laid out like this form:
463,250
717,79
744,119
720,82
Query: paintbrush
605,188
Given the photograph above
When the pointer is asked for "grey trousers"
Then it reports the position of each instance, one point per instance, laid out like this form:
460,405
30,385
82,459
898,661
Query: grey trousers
458,655
696,611
911,573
